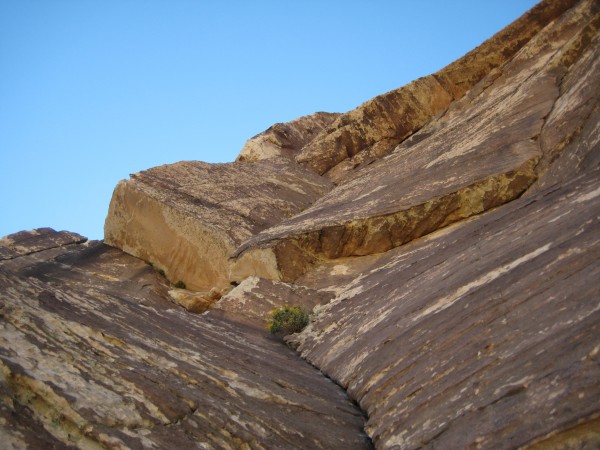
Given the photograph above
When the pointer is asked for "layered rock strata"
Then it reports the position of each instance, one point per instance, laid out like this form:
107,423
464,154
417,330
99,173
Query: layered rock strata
187,218
255,298
40,240
453,270
482,153
92,355
285,139
485,334
373,129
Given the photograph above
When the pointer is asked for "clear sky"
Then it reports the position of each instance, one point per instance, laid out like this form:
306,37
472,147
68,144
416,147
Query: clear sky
93,90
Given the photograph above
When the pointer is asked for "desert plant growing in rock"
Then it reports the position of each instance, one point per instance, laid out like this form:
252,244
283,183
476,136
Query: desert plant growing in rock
288,320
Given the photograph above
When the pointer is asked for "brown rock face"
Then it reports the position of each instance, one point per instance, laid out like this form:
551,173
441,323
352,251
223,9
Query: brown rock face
373,129
482,153
36,241
253,300
570,133
285,139
445,235
94,356
187,218
483,334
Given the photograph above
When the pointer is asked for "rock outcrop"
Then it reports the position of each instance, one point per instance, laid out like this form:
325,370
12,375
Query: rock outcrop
446,236
486,333
93,356
187,218
373,129
255,298
482,153
285,139
42,240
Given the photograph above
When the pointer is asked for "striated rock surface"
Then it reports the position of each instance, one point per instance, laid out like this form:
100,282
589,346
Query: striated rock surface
373,129
285,139
485,334
187,218
253,300
446,236
482,153
92,355
40,240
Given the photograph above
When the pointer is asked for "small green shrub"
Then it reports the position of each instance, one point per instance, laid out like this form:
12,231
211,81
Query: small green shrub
179,285
288,320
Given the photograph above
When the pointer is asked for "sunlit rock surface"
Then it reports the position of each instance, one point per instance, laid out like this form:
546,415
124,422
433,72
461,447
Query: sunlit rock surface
93,355
486,333
42,240
253,301
285,139
373,129
485,151
445,235
187,218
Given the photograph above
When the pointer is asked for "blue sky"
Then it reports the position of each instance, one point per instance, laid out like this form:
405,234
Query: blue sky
91,91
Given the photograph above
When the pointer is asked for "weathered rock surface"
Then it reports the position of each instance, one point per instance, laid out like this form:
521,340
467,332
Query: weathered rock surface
285,139
35,241
486,334
453,269
569,139
92,355
194,301
255,298
187,218
482,153
373,129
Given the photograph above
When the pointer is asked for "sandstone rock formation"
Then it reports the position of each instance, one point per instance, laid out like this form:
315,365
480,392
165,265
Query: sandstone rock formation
493,322
373,129
93,356
482,153
187,218
285,139
41,240
445,234
255,298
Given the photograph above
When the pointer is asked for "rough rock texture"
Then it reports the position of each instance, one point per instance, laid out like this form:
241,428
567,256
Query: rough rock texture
194,301
373,129
453,271
187,218
36,241
285,139
92,355
484,334
482,153
253,300
570,133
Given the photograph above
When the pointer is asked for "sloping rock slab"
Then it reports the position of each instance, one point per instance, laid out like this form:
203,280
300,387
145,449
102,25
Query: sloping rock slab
34,241
374,128
187,218
285,139
255,298
474,164
92,355
485,334
570,138
481,154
